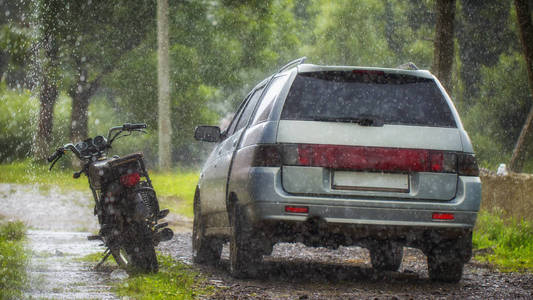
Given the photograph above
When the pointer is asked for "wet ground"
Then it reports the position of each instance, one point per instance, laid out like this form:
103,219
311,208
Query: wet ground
294,271
59,225
60,222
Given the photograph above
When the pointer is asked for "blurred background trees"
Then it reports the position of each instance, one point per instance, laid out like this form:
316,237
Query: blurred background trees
106,61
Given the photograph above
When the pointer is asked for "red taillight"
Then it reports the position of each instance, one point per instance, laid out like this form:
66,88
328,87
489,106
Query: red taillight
265,155
443,216
361,158
467,165
375,158
130,180
297,209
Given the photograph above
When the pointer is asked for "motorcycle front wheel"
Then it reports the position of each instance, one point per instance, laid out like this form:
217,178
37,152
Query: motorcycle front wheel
136,251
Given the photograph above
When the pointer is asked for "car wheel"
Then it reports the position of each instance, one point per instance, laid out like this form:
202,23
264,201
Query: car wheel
205,250
245,258
445,268
386,256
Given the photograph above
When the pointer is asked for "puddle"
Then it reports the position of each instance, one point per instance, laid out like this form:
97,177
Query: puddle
55,271
59,224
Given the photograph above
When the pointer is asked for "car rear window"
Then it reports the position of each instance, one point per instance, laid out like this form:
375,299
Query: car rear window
347,95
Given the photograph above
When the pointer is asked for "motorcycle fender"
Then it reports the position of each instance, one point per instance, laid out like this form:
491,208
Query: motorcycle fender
137,210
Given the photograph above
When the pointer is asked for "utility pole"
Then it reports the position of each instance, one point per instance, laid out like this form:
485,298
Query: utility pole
164,127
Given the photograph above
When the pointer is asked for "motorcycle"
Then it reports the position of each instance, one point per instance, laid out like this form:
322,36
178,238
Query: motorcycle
125,200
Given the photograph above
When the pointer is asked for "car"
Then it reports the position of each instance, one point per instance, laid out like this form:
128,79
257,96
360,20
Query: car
340,155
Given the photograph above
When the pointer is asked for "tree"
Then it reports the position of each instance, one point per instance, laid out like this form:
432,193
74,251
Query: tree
164,128
96,36
483,33
443,49
48,13
525,25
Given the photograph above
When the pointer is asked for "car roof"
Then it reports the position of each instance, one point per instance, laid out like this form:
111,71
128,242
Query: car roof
306,68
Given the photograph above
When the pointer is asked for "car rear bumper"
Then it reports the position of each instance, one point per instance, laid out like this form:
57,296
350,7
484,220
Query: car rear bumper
266,199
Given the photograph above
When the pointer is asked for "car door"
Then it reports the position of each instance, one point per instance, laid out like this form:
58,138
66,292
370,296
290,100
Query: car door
219,170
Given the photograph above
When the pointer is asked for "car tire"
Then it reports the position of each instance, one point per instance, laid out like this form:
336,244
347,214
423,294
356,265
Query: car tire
205,250
445,268
245,258
386,256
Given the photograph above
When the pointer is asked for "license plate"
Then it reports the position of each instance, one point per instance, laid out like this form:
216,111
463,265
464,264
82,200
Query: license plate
368,181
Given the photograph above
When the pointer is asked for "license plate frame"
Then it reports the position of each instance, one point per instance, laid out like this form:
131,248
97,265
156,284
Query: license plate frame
370,181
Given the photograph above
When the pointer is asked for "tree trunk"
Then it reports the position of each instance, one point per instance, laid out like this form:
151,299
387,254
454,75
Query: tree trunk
79,117
444,46
81,93
525,25
47,97
48,79
165,130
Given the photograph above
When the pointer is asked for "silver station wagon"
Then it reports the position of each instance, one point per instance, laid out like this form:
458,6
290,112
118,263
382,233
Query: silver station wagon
339,155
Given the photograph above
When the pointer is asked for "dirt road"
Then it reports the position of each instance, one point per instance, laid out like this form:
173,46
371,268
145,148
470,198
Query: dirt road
59,223
298,272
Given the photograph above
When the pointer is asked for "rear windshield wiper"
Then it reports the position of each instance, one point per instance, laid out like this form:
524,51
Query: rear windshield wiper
361,120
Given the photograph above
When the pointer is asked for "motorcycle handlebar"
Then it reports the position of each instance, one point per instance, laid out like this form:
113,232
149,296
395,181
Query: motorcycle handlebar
58,153
128,126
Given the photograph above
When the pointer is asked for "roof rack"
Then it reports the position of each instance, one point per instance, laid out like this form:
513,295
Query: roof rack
408,66
297,62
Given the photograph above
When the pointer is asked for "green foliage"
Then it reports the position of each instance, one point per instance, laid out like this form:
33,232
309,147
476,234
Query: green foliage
495,121
176,190
510,240
368,33
12,260
18,114
174,280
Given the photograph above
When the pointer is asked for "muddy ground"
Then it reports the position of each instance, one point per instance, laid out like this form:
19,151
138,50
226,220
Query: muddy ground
60,222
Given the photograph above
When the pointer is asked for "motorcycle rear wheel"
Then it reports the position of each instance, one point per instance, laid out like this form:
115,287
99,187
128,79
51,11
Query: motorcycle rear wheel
136,252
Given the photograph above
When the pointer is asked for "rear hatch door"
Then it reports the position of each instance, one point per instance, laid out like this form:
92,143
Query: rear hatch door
368,133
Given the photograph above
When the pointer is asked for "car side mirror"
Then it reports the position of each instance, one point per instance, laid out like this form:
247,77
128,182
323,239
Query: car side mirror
207,133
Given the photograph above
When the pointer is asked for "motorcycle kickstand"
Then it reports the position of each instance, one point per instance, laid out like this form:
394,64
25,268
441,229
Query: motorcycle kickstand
106,255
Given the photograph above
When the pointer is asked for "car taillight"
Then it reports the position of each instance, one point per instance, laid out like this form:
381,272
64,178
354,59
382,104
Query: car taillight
377,159
265,155
130,180
467,165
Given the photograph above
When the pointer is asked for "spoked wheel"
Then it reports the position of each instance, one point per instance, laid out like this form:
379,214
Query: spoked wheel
136,252
120,256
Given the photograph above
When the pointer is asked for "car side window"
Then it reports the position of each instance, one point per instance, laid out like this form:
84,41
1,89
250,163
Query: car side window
248,110
235,120
263,111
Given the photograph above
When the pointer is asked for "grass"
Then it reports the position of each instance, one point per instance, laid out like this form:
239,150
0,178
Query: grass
12,260
174,280
508,243
175,189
